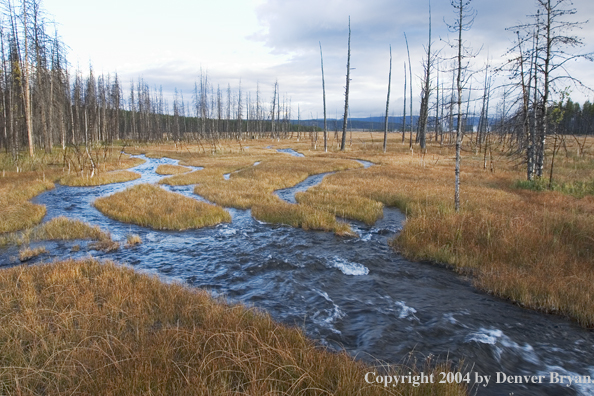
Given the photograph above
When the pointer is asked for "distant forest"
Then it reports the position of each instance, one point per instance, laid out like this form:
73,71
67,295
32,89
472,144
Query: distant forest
45,103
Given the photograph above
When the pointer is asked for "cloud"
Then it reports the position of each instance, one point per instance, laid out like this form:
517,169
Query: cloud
296,27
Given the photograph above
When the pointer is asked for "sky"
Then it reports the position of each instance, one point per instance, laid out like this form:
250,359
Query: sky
257,42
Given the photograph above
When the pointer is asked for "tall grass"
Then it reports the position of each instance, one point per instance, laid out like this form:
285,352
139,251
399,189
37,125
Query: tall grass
96,329
151,206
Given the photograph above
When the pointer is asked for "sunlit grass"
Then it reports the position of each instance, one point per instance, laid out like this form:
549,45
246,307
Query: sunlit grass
95,329
133,240
58,228
300,216
21,181
16,212
166,169
254,185
151,206
27,253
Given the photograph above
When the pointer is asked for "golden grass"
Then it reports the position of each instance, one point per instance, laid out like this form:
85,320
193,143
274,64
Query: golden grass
254,185
27,253
300,216
151,206
95,329
214,169
171,169
58,228
35,175
99,179
534,248
348,206
16,213
133,240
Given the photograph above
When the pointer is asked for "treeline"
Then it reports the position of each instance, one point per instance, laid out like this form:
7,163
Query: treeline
44,103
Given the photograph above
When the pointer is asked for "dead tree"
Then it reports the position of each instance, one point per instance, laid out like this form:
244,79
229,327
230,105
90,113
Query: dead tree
346,92
465,18
388,103
424,113
324,99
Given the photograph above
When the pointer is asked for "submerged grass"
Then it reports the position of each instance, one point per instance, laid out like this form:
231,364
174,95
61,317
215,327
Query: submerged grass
151,206
99,179
95,329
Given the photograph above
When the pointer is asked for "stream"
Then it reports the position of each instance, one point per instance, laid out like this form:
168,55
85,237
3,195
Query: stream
355,294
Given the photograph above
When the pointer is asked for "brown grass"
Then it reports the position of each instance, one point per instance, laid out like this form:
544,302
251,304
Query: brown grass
171,169
151,206
16,213
301,216
95,329
36,175
255,184
133,240
534,248
58,228
27,253
99,179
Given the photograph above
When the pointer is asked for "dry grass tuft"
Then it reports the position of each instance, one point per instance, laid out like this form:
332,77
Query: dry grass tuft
27,253
133,240
90,328
151,206
99,179
301,216
171,169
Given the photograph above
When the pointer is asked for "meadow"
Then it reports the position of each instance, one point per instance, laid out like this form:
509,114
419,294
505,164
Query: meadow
518,240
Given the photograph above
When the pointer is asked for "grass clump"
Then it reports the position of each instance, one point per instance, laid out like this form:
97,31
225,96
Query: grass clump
171,169
300,216
348,206
133,240
99,179
27,253
58,228
81,327
151,206
16,212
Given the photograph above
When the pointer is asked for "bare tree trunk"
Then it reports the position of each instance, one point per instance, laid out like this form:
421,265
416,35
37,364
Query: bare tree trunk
388,103
426,92
411,104
346,94
404,111
324,99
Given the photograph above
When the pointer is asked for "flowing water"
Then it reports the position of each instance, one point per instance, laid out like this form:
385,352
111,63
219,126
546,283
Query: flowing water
350,293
